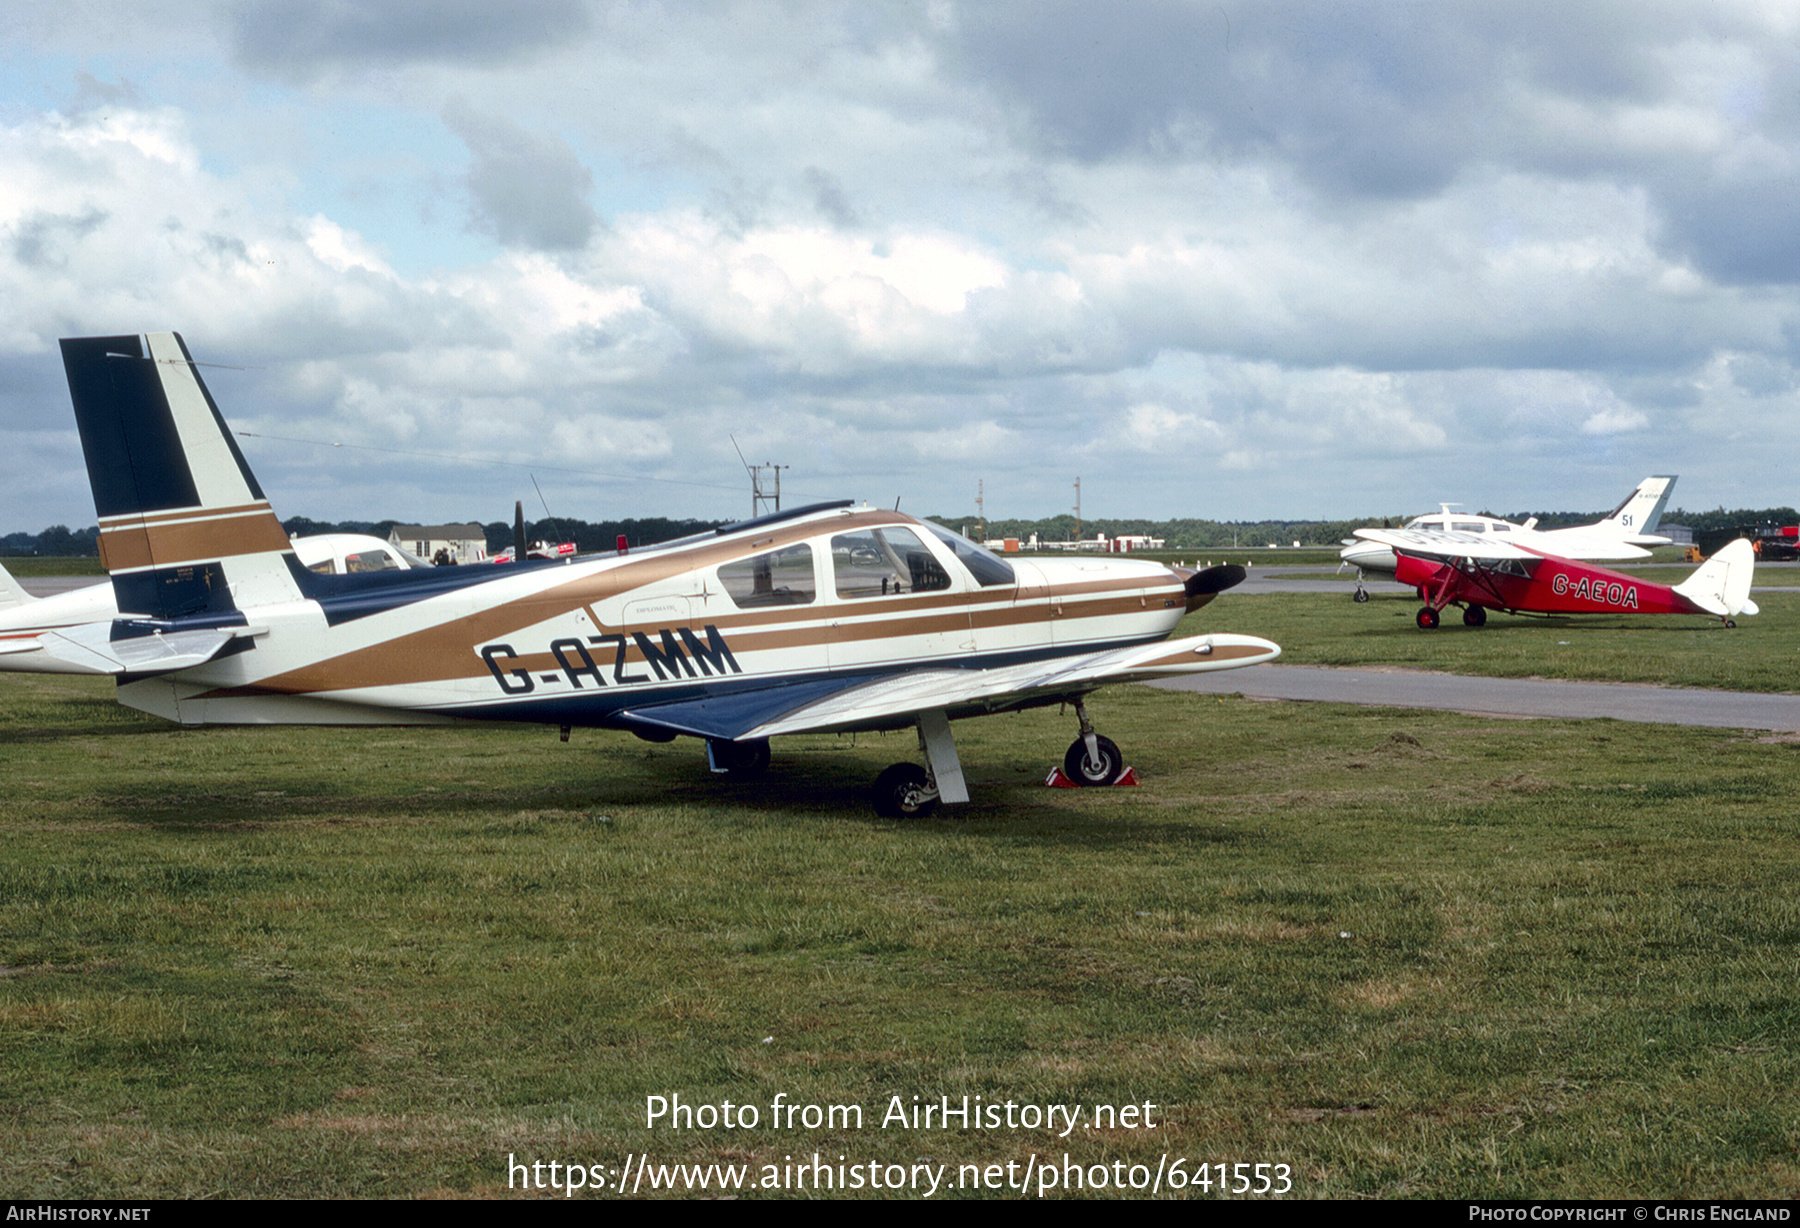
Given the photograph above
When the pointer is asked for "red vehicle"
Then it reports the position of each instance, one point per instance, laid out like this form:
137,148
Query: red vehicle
1479,574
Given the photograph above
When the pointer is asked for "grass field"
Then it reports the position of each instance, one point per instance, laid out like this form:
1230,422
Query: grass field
1403,954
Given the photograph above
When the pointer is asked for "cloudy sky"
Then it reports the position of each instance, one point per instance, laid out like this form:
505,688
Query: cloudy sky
1223,259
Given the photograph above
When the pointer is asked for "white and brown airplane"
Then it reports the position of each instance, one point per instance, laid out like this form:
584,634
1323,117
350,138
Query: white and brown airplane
823,618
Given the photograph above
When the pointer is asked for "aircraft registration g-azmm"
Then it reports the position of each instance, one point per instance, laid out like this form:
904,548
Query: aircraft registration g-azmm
1481,574
824,618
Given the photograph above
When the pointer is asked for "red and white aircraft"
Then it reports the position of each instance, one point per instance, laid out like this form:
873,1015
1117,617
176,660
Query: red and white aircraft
823,618
1623,534
1481,574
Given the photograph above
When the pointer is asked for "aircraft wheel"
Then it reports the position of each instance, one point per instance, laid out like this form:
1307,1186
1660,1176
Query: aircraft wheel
1474,616
1084,771
741,760
1360,597
904,792
1428,618
1731,624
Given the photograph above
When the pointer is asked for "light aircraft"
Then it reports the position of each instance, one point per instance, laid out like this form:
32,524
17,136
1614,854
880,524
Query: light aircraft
32,629
1480,573
1621,535
823,618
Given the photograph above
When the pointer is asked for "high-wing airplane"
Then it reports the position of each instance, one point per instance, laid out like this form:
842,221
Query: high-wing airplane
823,618
1480,573
32,629
1621,535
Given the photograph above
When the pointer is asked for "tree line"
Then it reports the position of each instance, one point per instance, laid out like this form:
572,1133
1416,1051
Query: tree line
60,541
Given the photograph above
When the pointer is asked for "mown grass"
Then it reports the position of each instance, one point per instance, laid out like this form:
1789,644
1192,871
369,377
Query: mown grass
52,566
1407,954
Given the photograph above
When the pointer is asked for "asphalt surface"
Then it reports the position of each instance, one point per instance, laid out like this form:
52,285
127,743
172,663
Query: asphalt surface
1514,697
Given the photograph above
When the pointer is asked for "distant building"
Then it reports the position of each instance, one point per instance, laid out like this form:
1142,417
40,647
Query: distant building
460,543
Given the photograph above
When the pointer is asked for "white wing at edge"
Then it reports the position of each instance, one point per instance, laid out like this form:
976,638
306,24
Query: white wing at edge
1446,545
965,692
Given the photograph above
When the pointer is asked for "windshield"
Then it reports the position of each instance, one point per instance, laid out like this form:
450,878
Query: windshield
987,567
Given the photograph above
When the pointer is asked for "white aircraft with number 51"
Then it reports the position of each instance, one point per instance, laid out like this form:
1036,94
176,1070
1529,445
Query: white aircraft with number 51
829,617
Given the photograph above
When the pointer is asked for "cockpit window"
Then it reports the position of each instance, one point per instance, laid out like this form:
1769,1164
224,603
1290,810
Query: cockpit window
1469,526
780,577
370,560
987,567
882,562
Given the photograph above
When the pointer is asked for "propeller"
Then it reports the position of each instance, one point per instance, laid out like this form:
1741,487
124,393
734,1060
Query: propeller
1202,586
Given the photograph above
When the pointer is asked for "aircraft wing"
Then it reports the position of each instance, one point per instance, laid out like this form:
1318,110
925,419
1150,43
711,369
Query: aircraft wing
1448,545
824,705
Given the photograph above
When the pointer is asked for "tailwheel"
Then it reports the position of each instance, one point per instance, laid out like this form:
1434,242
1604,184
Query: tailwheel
738,760
1428,619
905,791
1474,616
1101,767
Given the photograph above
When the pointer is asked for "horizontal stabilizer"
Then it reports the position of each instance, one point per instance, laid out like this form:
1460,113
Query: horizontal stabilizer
91,648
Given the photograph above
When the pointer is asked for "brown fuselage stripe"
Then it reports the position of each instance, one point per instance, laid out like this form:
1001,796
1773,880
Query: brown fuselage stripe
445,652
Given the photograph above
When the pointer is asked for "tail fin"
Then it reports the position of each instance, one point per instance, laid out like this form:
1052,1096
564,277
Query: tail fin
1642,510
184,527
1722,584
12,596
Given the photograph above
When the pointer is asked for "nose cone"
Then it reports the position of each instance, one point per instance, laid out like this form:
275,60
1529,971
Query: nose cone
1369,556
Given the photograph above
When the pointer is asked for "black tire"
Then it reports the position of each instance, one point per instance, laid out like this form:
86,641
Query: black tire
1428,618
741,760
1474,616
1731,624
1080,769
1360,597
904,791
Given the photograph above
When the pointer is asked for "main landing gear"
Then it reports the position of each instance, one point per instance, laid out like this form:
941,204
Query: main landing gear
1473,616
908,791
